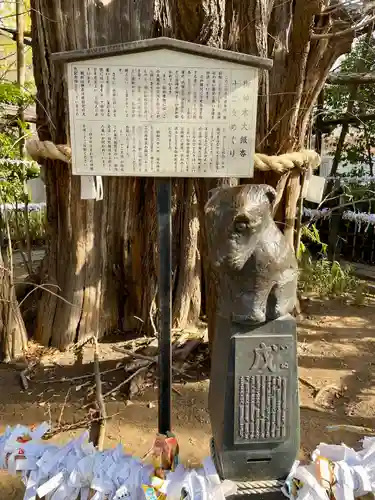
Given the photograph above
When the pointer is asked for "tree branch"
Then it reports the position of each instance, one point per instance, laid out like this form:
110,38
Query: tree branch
349,111
356,28
346,118
350,78
26,41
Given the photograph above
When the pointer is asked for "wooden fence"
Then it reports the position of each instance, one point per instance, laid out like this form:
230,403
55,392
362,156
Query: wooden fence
350,240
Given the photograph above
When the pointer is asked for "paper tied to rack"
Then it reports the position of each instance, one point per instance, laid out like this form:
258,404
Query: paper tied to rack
315,213
360,218
91,187
364,179
77,470
194,484
336,471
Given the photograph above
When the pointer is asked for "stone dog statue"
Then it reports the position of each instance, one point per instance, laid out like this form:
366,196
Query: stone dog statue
255,267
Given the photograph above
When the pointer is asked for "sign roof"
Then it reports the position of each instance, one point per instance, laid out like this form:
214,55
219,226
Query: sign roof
163,43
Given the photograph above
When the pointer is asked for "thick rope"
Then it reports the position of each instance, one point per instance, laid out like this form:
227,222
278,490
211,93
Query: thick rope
280,164
47,149
287,161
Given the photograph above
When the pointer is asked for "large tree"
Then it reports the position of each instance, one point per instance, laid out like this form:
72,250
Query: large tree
103,255
352,105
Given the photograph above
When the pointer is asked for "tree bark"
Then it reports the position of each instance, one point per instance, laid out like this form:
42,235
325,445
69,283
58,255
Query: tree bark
13,336
103,255
98,255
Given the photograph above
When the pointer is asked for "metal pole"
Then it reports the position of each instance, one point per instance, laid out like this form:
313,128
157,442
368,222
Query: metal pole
164,211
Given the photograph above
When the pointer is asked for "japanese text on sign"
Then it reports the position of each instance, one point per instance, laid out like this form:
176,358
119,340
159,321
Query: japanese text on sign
162,121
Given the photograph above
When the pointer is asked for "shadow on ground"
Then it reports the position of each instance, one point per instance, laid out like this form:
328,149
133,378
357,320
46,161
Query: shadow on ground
335,349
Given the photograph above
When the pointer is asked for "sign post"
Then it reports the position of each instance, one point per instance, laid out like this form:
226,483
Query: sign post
164,208
162,108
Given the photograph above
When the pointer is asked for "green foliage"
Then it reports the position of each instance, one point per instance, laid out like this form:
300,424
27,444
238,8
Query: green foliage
11,93
323,277
310,233
18,228
326,278
23,224
8,48
361,137
13,177
360,195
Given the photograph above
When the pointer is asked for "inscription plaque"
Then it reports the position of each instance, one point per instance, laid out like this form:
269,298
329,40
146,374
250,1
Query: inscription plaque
261,408
162,114
262,387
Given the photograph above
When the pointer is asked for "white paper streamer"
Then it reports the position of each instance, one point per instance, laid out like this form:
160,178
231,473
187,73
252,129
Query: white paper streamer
71,471
91,187
32,207
26,163
354,473
357,217
364,179
315,213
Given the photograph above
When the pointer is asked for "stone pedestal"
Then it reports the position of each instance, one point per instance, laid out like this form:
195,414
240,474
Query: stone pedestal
253,400
258,495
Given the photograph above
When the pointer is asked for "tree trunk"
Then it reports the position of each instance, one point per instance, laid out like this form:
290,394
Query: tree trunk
103,255
13,337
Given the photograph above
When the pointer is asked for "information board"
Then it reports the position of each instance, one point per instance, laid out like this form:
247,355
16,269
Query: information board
162,114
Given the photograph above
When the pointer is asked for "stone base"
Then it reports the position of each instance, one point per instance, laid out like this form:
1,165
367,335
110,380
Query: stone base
253,400
259,496
260,490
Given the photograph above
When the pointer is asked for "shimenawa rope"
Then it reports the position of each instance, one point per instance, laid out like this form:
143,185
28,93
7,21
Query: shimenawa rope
280,164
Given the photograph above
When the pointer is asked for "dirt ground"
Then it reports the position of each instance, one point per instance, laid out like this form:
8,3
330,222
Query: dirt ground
336,367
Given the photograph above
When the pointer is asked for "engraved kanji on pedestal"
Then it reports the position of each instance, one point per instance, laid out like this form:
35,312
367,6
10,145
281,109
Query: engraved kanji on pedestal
262,394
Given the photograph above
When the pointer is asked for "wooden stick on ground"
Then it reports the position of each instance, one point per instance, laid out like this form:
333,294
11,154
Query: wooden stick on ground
99,399
25,373
356,429
84,423
121,384
147,358
308,384
126,381
78,377
186,350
